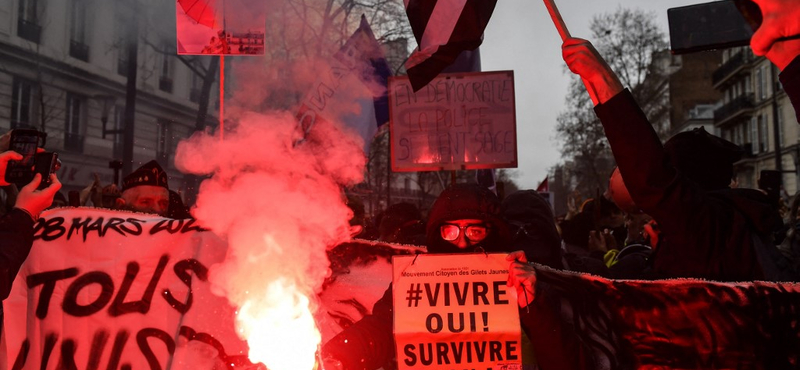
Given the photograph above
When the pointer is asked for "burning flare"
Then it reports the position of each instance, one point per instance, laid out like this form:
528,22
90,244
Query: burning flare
280,208
283,310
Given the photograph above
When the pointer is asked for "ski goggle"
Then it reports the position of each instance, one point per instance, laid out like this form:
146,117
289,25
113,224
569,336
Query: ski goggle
474,233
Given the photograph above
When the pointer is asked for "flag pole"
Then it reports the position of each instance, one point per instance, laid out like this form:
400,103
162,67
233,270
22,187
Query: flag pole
561,27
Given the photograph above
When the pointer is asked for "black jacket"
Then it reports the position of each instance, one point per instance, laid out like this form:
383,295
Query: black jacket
16,239
706,234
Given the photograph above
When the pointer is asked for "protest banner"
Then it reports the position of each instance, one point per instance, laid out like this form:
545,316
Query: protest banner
458,121
120,290
452,311
108,289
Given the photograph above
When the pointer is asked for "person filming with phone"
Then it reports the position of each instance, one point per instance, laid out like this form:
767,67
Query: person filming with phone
16,226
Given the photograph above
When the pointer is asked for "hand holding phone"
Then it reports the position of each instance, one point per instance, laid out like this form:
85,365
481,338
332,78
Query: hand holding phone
46,164
26,143
34,200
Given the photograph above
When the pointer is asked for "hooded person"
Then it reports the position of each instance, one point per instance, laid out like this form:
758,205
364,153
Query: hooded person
709,231
145,190
533,227
465,218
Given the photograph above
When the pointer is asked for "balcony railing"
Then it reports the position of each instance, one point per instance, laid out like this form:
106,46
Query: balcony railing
738,105
29,30
73,142
731,65
79,50
165,84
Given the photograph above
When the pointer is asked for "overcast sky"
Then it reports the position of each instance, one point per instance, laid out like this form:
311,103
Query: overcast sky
521,37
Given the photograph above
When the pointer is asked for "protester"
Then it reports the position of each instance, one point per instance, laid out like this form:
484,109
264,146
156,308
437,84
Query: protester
16,226
533,227
110,194
146,190
59,200
631,260
464,218
584,247
710,231
594,214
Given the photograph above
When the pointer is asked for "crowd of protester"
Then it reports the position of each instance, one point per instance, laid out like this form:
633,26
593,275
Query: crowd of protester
669,212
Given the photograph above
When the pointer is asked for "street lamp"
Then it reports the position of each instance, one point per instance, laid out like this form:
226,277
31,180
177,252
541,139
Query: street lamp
106,102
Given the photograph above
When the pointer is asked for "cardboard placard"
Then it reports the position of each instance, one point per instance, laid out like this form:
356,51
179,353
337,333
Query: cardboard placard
455,311
458,121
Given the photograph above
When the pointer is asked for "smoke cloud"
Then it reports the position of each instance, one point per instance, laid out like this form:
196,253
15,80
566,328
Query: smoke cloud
280,207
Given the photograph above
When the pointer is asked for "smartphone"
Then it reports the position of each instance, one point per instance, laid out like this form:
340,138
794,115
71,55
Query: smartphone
24,142
714,25
46,164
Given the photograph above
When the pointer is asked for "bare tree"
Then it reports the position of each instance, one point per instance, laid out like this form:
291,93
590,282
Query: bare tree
630,41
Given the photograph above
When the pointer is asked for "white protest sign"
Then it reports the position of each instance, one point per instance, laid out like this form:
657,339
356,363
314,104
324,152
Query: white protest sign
458,121
454,310
106,289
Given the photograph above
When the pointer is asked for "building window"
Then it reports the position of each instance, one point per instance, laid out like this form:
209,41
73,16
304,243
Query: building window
73,140
22,103
748,87
760,84
763,134
165,79
779,117
28,26
163,142
764,83
78,47
754,134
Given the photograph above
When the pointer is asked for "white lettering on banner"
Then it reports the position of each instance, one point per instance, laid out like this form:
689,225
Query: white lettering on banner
455,310
458,121
106,289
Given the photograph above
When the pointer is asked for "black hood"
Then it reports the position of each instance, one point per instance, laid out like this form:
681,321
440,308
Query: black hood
467,201
533,227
